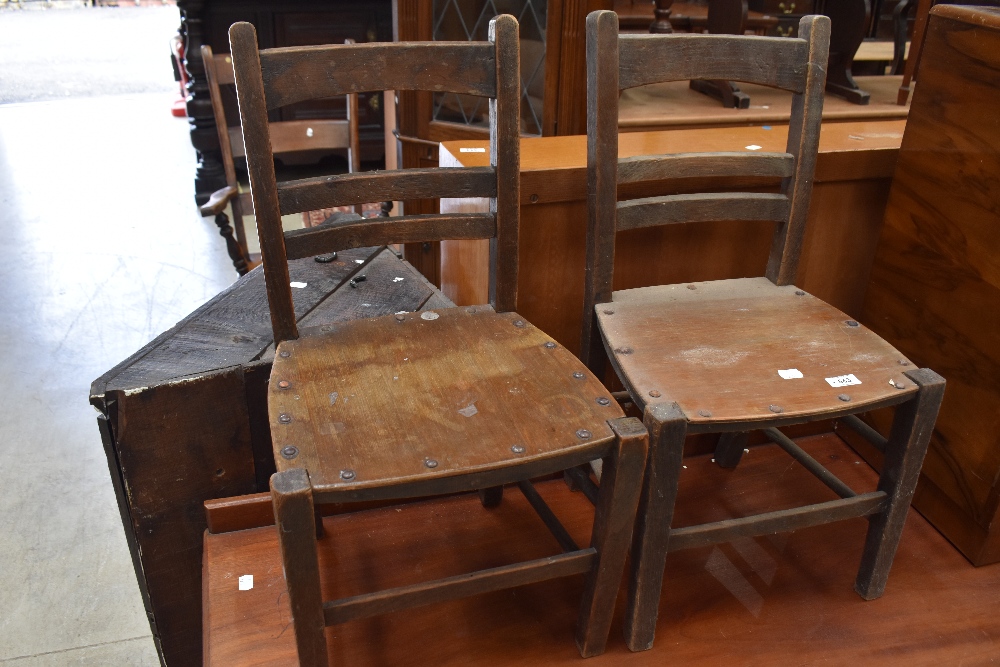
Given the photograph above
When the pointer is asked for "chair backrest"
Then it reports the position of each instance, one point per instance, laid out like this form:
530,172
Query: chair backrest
618,62
290,136
273,78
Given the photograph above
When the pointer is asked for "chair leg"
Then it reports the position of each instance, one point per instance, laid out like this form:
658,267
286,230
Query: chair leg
904,454
294,518
729,448
614,518
491,497
667,428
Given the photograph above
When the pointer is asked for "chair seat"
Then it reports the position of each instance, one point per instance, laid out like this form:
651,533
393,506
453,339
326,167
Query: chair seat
716,349
414,397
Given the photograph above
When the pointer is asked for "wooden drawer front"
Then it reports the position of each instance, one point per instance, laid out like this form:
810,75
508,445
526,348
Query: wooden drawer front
781,7
788,26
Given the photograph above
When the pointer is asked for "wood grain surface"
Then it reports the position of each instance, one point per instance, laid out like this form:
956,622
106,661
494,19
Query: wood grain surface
935,282
782,599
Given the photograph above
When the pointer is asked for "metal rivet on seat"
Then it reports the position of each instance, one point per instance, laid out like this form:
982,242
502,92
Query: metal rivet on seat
517,449
603,400
583,434
852,323
285,418
470,311
799,292
289,452
284,354
692,287
430,463
904,362
609,312
775,408
518,323
347,475
900,385
550,345
623,350
844,397
578,375
654,393
704,413
284,384
400,317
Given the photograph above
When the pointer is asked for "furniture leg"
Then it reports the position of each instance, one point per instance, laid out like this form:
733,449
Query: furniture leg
232,246
916,45
848,22
911,433
667,428
294,515
729,449
614,518
661,24
491,497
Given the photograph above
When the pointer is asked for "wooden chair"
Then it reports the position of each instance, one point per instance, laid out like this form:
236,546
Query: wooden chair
286,137
712,357
416,405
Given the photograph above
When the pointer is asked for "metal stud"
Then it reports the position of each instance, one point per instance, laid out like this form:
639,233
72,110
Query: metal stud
900,385
519,323
578,375
775,408
550,345
623,350
284,384
852,323
470,311
609,312
654,393
284,354
325,259
517,449
603,400
400,317
799,292
704,413
347,475
430,463
692,287
583,434
844,397
904,362
289,452
285,418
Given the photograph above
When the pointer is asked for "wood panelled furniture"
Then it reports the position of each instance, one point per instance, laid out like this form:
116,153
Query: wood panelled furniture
414,406
292,136
935,281
734,356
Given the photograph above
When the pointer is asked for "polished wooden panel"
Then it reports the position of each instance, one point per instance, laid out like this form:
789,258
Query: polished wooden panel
511,390
715,349
853,169
935,282
738,604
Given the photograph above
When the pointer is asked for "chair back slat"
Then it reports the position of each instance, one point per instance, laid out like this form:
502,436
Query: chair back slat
223,63
707,207
704,165
303,73
310,194
618,62
363,233
274,78
300,135
778,62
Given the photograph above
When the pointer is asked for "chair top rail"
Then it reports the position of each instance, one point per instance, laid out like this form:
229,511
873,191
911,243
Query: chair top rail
704,165
779,62
294,74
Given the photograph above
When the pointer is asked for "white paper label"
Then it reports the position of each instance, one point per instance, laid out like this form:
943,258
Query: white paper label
297,284
246,582
471,150
753,147
843,380
790,374
429,315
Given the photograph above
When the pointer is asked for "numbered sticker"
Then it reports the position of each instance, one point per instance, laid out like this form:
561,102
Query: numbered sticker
790,374
843,380
246,582
471,150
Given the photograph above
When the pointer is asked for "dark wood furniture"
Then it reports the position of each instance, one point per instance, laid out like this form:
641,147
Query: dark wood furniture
184,420
408,406
734,356
287,137
935,287
285,23
738,604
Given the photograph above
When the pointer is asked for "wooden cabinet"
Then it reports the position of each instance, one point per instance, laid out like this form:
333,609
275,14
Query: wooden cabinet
788,13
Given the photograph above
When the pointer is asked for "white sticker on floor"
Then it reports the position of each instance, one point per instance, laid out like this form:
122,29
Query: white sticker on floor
843,380
246,582
790,374
471,150
298,284
397,279
753,147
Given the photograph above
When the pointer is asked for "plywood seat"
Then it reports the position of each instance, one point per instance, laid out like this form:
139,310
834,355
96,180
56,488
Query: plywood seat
716,349
388,403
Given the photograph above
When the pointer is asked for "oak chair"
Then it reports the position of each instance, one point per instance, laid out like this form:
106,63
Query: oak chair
420,404
713,357
322,134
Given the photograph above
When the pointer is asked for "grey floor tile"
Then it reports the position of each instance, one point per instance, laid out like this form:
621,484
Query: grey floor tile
138,652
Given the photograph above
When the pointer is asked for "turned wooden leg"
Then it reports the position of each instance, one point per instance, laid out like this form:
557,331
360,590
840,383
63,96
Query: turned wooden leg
661,23
232,245
667,428
614,518
904,454
729,448
294,518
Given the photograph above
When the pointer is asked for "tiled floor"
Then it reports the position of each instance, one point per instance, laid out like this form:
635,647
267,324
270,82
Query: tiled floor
101,249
